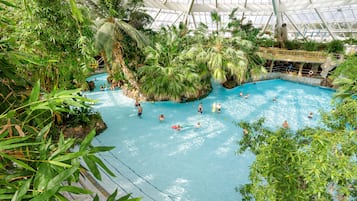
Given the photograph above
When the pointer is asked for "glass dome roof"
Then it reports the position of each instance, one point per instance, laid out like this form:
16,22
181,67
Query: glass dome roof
314,19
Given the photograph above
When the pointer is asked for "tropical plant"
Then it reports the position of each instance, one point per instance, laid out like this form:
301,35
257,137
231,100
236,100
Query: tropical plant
224,61
216,18
335,46
309,164
310,45
345,76
61,60
109,40
171,71
117,37
266,42
36,161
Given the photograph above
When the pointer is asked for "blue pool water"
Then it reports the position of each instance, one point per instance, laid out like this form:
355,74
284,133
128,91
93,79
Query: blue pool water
155,162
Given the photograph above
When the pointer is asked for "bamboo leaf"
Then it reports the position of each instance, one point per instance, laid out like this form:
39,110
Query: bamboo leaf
12,141
22,190
92,167
86,142
101,164
101,149
70,156
47,195
55,183
60,197
18,162
35,93
75,190
43,175
60,164
16,145
62,148
43,131
113,195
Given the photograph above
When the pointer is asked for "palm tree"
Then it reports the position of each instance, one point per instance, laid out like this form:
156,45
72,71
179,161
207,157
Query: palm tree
231,58
117,28
224,61
109,41
169,73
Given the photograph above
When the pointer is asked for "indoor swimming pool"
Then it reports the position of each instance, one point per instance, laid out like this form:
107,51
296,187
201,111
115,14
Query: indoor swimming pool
156,162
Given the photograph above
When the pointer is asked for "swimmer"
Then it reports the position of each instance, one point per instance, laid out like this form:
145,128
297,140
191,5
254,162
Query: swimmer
198,125
285,124
310,115
246,96
274,99
200,108
176,127
161,117
241,94
137,103
219,107
140,110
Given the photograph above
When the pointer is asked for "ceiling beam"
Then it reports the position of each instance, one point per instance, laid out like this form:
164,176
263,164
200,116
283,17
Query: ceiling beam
250,7
325,24
266,24
188,11
294,25
156,15
277,12
194,21
178,17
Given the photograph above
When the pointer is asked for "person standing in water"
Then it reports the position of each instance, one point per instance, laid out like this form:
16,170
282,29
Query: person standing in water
200,108
219,107
285,124
140,110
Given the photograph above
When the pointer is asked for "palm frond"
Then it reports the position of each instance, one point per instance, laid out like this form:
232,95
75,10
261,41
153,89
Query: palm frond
141,40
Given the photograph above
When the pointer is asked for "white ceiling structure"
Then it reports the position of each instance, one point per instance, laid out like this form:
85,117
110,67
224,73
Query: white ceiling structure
312,19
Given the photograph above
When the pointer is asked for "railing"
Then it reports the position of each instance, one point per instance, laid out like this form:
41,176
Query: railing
293,55
292,70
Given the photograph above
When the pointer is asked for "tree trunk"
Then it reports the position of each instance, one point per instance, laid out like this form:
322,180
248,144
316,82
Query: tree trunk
119,62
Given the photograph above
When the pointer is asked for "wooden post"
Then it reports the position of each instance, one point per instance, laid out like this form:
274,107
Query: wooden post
301,65
271,66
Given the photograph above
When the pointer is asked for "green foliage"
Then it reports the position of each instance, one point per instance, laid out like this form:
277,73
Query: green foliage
36,161
335,46
292,45
61,60
266,42
345,78
33,165
113,36
171,69
348,68
310,45
310,164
